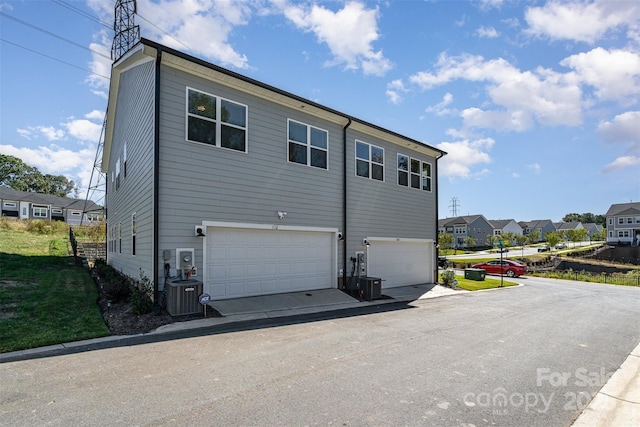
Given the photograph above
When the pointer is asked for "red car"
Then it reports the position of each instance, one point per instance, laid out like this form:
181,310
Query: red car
508,267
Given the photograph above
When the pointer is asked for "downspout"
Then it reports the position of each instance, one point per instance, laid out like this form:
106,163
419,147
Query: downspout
435,243
344,203
156,177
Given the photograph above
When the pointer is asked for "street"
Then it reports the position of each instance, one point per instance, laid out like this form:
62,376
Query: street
532,355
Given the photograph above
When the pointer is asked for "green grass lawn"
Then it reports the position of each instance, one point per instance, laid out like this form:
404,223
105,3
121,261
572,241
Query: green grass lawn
45,298
487,283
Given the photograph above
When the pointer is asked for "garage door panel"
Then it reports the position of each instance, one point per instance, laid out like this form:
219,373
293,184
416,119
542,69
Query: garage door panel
245,262
401,263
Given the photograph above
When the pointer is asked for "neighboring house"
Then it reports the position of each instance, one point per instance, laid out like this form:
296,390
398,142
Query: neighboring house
623,224
542,226
265,191
28,205
561,227
502,226
592,229
474,226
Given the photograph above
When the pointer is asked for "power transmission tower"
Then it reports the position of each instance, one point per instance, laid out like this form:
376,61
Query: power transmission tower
127,33
453,207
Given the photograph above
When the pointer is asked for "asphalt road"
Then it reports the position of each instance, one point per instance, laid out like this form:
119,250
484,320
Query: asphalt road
527,356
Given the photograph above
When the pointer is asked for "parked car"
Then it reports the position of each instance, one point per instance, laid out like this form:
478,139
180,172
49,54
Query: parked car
506,266
544,248
561,246
503,250
443,262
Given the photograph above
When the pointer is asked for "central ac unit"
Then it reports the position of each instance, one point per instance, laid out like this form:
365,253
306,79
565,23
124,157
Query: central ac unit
183,297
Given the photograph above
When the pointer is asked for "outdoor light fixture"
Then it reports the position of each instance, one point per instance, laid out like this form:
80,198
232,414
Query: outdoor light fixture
281,215
365,242
200,231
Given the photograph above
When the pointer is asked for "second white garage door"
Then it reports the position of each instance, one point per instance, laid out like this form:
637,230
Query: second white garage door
400,263
247,262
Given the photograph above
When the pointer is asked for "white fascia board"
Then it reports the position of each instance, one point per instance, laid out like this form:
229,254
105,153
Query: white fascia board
253,226
399,240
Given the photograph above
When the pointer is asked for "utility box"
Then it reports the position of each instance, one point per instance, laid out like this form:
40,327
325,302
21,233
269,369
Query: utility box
370,287
474,274
182,297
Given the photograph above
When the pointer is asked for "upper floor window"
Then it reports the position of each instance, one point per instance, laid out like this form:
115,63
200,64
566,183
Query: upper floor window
414,173
369,161
307,145
620,220
216,121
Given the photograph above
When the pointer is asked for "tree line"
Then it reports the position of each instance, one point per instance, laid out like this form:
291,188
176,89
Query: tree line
16,174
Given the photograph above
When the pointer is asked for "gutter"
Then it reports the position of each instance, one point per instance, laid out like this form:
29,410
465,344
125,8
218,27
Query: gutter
156,178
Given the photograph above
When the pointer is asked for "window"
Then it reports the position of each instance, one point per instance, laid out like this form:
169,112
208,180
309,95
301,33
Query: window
118,174
426,176
623,233
216,121
133,234
620,220
460,230
414,173
307,145
369,161
629,220
9,204
40,212
610,221
403,170
124,160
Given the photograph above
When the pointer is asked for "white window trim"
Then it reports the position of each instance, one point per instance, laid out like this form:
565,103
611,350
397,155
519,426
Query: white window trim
308,144
410,173
370,161
217,121
40,208
9,205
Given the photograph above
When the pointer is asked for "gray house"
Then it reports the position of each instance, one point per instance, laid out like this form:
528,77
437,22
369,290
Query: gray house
29,205
260,191
542,226
502,226
475,226
623,224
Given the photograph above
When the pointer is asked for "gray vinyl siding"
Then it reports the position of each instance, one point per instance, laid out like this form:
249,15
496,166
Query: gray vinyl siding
199,182
386,209
134,125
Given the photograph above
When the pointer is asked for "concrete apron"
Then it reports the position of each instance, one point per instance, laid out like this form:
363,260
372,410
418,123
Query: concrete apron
307,301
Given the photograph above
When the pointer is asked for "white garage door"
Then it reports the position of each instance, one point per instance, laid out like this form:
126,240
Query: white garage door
246,262
400,263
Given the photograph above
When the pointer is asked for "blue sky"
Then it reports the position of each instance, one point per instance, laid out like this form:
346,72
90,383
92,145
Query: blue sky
537,103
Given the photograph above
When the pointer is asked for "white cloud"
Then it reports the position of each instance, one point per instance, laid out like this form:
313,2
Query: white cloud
623,128
463,156
84,130
56,160
622,163
615,74
549,97
487,32
535,167
489,4
349,34
582,21
51,133
439,109
395,90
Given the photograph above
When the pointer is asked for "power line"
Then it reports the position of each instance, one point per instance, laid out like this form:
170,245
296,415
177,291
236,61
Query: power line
49,33
82,13
53,58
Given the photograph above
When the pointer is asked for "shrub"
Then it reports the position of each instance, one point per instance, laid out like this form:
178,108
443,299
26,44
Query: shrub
141,292
448,278
116,286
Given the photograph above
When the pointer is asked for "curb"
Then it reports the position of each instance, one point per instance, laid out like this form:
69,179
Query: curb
618,401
